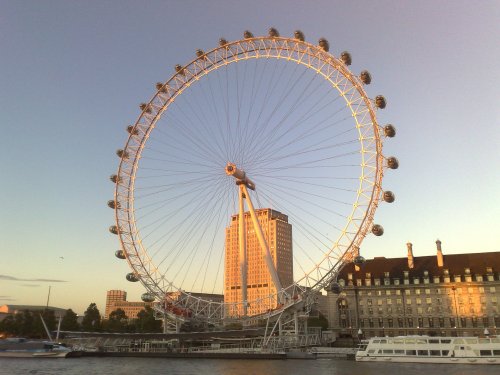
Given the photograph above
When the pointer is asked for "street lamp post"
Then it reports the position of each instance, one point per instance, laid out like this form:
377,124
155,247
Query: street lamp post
404,311
457,322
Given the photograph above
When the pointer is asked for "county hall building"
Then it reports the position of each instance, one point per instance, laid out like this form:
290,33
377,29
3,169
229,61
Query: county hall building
452,295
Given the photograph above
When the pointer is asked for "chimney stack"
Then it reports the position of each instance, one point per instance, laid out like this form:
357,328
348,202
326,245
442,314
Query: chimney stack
440,261
410,255
356,254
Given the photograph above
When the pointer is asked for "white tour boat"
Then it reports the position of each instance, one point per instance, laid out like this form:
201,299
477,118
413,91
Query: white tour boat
22,348
427,349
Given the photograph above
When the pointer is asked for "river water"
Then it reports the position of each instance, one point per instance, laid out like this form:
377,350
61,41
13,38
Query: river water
135,366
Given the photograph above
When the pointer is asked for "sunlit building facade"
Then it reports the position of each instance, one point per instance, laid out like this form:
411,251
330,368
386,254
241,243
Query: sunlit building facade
454,295
278,234
117,299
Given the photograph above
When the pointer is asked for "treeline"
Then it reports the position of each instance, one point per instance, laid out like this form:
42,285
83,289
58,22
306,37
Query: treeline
29,324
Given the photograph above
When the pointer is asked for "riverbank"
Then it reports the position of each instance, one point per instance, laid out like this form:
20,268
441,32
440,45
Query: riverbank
201,355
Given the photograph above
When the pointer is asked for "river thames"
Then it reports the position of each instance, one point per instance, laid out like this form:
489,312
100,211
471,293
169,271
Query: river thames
126,366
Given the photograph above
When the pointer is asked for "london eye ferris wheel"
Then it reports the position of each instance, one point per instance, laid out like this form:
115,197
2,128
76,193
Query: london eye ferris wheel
265,125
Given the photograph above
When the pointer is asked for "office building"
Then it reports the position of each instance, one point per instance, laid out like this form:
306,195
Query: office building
117,299
278,234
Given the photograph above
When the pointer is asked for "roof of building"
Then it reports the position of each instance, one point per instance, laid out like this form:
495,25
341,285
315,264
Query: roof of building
454,263
10,309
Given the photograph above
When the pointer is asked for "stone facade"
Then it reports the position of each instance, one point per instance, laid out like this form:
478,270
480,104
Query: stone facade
454,294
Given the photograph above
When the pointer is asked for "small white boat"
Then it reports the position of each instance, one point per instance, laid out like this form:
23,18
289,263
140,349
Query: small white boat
23,348
427,349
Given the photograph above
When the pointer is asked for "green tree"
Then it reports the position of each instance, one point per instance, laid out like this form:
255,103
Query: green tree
319,321
117,321
9,326
146,321
27,323
38,330
69,321
91,319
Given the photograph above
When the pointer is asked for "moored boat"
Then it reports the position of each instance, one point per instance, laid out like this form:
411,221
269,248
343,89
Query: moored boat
23,348
427,349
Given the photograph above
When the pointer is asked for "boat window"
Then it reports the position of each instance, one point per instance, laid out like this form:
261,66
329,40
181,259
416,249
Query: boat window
485,353
421,341
401,351
383,341
371,351
390,351
496,352
458,341
444,353
376,341
471,341
399,341
411,352
495,339
435,353
410,341
423,352
433,341
484,341
445,341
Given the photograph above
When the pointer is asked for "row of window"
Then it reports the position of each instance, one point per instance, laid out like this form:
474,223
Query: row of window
428,310
425,322
431,353
417,280
428,291
428,300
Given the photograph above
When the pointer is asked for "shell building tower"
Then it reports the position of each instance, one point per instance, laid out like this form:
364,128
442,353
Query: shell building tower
278,234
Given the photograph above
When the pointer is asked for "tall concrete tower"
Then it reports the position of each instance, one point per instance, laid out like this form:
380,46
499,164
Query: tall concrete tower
278,234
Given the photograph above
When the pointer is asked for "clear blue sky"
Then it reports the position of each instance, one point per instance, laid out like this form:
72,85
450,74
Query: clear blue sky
72,74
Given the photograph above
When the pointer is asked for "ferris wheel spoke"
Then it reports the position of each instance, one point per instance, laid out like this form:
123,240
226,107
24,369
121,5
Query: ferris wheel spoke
259,129
162,204
306,193
268,132
183,152
197,219
209,255
191,137
172,187
316,163
313,240
301,198
313,130
250,131
220,221
161,221
212,104
181,236
201,118
279,131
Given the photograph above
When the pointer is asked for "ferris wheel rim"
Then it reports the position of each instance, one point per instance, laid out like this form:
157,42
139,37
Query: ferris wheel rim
139,263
